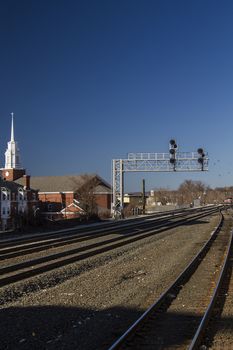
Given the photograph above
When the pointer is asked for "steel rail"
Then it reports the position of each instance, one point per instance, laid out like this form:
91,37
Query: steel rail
19,250
144,227
98,227
205,319
44,264
86,229
132,238
165,295
46,242
68,235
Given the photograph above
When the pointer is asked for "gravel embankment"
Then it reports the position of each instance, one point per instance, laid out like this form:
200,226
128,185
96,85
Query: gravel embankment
88,304
220,334
176,327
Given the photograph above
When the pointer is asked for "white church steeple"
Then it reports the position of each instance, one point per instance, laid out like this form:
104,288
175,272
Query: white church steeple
12,156
12,127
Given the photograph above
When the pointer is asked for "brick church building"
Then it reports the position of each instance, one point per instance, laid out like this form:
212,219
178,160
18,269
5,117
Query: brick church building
55,197
19,203
63,196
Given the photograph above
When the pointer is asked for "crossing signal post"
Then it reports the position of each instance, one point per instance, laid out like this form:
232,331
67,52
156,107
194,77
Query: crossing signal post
201,157
172,152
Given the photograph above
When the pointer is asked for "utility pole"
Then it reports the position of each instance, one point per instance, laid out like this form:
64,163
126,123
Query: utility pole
143,197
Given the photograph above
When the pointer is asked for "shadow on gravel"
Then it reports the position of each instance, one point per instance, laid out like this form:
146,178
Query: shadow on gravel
46,327
196,222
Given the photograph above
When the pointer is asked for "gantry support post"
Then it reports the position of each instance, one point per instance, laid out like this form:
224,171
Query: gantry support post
118,188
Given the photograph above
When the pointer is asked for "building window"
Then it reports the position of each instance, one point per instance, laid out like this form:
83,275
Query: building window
3,196
3,211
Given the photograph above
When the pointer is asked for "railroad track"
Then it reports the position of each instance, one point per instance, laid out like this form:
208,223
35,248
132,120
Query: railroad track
103,227
19,247
215,331
180,315
19,271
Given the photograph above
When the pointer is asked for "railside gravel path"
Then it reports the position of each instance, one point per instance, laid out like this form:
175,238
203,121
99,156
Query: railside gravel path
220,334
176,327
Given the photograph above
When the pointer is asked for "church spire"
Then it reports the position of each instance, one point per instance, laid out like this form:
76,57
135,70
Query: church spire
13,169
12,127
12,156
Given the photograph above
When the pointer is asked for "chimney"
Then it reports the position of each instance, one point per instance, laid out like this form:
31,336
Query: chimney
26,182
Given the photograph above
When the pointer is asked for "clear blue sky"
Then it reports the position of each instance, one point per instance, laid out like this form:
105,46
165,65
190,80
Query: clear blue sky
91,80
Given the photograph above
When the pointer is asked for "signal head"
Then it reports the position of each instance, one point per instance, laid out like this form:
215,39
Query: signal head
172,142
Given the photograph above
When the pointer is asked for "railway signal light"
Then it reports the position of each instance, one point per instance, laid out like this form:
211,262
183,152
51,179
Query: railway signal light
201,157
172,151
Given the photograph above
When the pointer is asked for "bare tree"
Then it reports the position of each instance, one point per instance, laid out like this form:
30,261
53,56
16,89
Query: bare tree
86,194
190,190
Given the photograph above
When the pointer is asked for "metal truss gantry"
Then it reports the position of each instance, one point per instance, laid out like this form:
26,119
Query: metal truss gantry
150,162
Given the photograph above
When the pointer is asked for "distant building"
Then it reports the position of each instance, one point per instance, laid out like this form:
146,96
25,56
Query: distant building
134,198
59,195
18,202
54,196
228,200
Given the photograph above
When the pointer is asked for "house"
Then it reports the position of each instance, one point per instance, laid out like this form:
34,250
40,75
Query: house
134,198
18,205
18,202
66,196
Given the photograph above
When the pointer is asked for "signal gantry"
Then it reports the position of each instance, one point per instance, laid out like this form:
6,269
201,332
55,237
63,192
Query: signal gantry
153,162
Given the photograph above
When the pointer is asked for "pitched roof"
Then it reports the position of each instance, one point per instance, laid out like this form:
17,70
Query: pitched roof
11,185
102,189
65,183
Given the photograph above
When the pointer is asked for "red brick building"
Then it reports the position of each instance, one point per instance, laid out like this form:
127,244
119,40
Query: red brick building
60,196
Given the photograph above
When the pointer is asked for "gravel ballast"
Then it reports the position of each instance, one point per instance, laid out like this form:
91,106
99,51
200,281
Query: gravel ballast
88,304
